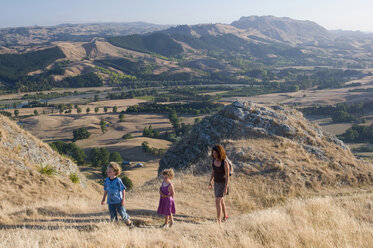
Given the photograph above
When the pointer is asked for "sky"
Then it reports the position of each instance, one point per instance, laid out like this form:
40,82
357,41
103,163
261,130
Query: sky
332,14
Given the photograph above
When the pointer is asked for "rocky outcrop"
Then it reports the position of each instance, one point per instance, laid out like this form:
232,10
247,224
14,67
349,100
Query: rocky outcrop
27,152
262,139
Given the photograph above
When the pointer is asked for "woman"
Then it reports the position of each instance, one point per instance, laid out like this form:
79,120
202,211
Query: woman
220,175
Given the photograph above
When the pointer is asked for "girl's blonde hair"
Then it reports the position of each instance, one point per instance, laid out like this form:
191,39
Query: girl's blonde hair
168,172
116,167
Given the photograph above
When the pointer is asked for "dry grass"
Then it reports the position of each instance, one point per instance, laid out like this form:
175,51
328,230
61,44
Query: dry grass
329,221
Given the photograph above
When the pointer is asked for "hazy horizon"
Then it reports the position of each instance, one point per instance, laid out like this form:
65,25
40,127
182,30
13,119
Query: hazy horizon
333,15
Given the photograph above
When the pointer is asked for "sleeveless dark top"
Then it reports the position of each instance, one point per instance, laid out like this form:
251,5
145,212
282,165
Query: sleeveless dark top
219,172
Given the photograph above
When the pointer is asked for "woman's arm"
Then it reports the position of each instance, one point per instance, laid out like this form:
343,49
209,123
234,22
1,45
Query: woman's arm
226,168
211,178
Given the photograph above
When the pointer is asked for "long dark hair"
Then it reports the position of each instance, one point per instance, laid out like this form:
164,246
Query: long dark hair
220,151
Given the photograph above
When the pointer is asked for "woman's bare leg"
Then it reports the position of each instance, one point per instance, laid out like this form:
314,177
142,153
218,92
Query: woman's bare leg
224,208
218,208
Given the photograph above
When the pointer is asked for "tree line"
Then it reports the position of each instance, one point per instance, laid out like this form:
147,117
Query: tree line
195,108
341,112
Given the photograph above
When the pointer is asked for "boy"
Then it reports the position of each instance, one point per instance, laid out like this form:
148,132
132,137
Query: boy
115,192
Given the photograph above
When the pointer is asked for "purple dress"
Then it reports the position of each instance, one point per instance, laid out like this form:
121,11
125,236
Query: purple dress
166,204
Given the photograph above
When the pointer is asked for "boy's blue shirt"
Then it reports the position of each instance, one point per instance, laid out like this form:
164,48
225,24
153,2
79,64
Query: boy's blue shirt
114,190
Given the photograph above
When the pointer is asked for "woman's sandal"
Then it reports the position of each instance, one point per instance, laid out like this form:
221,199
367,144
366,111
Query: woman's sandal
171,224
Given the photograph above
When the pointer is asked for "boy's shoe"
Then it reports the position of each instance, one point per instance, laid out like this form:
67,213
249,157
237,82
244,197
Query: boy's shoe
130,225
164,226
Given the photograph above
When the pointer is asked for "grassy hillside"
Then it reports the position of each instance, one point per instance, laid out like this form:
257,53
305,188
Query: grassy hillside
330,219
152,43
30,171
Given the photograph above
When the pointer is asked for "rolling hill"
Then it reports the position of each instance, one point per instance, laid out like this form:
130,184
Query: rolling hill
223,52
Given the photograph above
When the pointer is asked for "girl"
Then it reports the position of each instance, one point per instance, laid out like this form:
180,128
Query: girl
220,175
115,192
166,202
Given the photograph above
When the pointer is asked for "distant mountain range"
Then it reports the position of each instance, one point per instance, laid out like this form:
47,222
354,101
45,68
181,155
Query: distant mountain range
156,52
36,35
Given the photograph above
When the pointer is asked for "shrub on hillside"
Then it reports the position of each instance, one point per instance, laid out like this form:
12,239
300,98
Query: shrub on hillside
127,136
47,170
74,178
127,182
71,150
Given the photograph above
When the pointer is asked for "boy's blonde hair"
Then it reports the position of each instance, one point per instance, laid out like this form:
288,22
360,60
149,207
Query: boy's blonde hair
116,167
168,172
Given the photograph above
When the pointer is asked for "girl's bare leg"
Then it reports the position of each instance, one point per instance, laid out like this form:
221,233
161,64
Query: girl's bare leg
166,219
172,220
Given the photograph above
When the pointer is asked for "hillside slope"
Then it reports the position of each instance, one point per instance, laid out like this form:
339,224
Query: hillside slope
22,157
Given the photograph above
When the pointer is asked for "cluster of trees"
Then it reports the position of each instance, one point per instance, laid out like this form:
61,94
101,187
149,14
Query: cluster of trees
103,125
5,113
342,116
341,112
134,69
196,108
85,80
71,150
133,93
173,94
320,77
159,81
44,81
358,133
152,150
81,133
153,133
115,78
102,157
42,95
180,129
150,132
99,157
